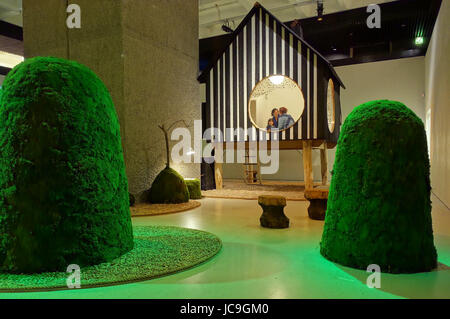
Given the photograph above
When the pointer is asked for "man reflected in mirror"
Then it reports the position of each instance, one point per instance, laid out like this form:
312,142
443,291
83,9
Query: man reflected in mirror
285,120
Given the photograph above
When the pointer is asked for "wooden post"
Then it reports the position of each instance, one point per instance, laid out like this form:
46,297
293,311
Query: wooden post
259,168
218,173
324,163
307,164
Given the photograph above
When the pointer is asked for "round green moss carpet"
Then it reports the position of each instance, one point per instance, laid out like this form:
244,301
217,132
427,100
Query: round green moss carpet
158,251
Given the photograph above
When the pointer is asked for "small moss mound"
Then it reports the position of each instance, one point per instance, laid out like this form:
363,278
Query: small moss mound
63,189
194,187
168,188
379,209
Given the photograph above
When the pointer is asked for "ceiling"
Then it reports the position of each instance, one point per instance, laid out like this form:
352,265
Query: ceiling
11,11
341,37
344,38
215,13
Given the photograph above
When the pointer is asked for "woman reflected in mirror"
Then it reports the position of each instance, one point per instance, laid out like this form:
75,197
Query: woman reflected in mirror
275,115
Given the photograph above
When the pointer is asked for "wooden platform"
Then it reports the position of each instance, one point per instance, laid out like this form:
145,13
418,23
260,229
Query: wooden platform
237,189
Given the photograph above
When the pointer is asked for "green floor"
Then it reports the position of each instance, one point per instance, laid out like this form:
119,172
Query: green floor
265,263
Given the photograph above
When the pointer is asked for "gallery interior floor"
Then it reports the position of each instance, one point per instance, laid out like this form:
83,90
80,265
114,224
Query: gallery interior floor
266,263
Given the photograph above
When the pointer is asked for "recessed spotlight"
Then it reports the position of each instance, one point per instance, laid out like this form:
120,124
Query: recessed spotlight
227,29
319,10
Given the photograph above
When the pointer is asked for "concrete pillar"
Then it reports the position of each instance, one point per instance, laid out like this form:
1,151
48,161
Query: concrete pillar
145,51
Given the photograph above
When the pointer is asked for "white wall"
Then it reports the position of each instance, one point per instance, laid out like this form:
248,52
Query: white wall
437,86
290,167
402,80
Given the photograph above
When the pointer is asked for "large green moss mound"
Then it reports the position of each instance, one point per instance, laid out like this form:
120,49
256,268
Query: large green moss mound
379,209
168,187
63,189
194,187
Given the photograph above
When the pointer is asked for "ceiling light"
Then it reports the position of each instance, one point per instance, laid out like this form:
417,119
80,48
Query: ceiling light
227,29
276,79
9,60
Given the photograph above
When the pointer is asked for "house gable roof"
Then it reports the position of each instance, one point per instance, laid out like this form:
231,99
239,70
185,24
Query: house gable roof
202,77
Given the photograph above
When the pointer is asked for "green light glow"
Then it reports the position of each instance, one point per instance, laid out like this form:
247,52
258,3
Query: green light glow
419,40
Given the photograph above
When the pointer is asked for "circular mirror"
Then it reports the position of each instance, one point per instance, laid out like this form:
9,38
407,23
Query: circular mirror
330,105
276,103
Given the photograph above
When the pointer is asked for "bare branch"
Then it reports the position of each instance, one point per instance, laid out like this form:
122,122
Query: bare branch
166,136
176,122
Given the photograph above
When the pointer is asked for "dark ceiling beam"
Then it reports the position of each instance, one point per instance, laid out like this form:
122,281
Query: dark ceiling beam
376,57
11,30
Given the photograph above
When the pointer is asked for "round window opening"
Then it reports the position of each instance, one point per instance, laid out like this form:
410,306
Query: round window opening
330,106
276,103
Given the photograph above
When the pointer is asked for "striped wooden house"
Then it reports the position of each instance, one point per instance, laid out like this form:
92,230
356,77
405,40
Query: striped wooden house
262,46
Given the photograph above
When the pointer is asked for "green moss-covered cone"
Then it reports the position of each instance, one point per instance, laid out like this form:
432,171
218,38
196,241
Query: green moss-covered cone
168,188
379,209
194,187
63,189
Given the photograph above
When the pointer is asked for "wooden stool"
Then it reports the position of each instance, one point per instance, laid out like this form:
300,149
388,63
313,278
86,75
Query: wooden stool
317,198
273,215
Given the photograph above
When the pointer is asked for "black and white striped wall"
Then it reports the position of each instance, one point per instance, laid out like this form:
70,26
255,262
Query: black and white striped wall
264,46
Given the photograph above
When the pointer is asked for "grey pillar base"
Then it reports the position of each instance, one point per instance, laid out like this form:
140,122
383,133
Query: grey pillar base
317,209
273,217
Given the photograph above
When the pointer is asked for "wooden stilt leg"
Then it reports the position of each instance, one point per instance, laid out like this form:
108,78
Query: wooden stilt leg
324,164
218,175
307,165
